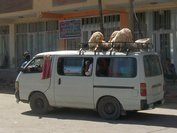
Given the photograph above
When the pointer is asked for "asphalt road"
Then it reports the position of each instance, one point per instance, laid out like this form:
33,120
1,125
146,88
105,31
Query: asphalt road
18,118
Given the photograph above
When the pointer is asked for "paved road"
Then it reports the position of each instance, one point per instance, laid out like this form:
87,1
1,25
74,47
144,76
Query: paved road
18,118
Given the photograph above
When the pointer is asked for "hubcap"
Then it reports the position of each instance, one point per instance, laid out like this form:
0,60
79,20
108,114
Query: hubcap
109,108
39,103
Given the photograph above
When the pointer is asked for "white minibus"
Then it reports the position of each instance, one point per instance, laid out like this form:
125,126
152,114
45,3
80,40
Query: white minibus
117,82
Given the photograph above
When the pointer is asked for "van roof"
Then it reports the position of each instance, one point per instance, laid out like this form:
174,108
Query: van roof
77,52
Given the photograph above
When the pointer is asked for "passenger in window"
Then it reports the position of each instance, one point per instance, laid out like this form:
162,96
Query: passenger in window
88,67
35,66
169,70
102,67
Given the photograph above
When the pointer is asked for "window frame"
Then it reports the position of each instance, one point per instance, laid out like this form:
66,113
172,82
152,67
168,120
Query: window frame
152,69
115,75
34,69
62,72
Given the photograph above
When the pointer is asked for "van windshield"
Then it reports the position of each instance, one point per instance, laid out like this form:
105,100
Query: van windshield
152,65
123,67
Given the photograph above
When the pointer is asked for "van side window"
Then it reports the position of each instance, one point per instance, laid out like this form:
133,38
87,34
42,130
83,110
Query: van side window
74,66
123,67
35,66
152,65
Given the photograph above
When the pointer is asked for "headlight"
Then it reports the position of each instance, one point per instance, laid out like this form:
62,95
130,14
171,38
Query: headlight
16,85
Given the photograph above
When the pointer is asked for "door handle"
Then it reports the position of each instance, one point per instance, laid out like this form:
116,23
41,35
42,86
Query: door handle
59,81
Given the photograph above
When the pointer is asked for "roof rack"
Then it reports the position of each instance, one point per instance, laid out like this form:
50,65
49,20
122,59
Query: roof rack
125,47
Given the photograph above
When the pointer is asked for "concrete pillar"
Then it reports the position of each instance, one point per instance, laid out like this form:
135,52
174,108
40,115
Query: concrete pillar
12,45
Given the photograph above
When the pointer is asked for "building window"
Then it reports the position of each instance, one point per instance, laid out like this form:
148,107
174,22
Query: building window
92,24
111,18
90,21
36,37
41,26
52,25
140,26
96,20
33,27
21,28
162,20
72,44
4,30
74,66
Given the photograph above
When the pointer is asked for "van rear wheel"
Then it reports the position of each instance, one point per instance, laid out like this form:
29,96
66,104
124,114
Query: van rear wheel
109,108
39,103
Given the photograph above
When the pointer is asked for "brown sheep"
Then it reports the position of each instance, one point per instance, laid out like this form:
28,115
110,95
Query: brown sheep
123,36
95,40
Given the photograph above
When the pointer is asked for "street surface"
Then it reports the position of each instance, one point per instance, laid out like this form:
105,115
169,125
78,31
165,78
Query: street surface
18,118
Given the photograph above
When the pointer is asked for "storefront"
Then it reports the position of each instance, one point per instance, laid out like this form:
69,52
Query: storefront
62,25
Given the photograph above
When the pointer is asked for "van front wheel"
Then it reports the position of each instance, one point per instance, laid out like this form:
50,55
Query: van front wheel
39,103
109,108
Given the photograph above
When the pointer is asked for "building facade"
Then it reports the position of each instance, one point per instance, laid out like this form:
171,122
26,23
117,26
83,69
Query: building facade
38,26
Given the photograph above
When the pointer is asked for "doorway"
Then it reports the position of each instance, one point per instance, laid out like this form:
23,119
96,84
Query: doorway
164,45
4,48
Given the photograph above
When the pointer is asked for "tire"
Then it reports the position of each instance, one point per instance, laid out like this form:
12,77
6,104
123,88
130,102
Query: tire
109,108
39,103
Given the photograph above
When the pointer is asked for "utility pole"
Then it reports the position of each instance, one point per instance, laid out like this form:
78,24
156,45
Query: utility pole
101,16
131,16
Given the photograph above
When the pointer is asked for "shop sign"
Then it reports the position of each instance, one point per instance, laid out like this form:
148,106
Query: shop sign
70,29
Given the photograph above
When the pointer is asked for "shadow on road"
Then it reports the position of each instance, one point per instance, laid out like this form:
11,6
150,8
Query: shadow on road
169,104
7,91
139,118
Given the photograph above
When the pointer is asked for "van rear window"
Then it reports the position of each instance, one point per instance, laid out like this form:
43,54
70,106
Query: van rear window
152,65
123,67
